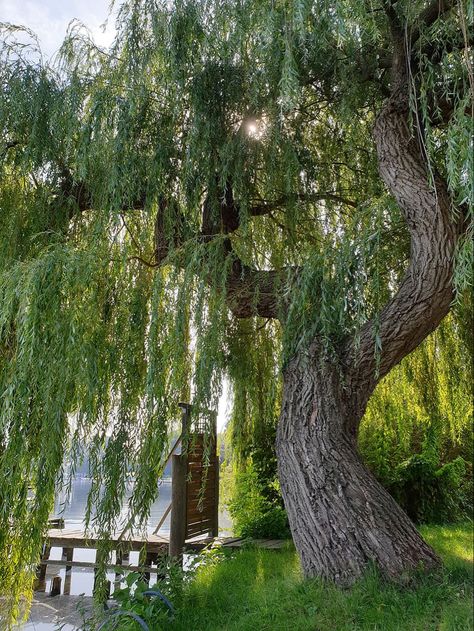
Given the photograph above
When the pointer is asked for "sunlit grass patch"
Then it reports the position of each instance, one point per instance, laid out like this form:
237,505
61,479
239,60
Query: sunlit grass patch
263,590
453,543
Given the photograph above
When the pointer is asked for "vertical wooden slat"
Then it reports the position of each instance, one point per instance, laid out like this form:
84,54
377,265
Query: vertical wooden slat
118,575
68,554
178,506
40,585
215,515
55,586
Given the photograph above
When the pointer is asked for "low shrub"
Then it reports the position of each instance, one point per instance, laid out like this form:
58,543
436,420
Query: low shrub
429,493
253,512
272,524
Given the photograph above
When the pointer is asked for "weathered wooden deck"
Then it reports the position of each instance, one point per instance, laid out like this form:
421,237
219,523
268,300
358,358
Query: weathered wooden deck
150,547
193,522
154,544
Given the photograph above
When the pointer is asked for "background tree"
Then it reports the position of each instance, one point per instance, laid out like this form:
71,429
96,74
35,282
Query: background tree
303,163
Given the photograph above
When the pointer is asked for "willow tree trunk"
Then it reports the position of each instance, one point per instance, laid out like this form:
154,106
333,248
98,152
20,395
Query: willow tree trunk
341,518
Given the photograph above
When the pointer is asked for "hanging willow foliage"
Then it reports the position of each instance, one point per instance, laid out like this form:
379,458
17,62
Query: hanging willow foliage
424,407
145,193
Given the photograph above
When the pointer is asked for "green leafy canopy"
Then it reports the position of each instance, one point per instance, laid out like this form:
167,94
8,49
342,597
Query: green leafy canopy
114,300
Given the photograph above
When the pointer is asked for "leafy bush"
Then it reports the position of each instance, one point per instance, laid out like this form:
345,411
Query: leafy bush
416,435
132,598
255,512
429,493
272,524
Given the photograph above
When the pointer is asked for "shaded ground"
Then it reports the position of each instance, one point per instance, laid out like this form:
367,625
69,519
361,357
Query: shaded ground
47,612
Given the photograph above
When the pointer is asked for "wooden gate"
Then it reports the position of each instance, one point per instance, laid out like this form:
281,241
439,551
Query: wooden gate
195,480
202,490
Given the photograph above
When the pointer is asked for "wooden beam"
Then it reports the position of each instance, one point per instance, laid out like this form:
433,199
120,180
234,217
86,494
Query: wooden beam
162,520
41,574
92,565
178,506
215,518
78,539
67,557
55,586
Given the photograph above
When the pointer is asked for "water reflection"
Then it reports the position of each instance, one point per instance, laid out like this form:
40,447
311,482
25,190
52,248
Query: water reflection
72,508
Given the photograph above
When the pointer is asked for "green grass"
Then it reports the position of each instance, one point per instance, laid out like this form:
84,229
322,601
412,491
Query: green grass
261,590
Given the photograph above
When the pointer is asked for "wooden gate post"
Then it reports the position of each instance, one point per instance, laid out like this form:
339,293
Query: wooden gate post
68,555
215,515
40,584
55,586
178,505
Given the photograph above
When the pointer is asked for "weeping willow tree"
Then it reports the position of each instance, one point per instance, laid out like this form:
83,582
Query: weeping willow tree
302,166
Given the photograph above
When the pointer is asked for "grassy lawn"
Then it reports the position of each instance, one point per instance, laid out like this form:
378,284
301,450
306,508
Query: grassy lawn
259,590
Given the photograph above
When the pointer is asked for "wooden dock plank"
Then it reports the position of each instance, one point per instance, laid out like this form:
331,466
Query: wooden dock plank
78,539
120,569
153,543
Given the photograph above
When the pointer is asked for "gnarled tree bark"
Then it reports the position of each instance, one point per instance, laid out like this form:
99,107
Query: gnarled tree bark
340,516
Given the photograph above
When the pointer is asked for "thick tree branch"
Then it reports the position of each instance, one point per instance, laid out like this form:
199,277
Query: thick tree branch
221,217
266,207
426,293
433,12
170,229
392,16
249,291
435,49
371,63
9,145
254,292
74,191
79,194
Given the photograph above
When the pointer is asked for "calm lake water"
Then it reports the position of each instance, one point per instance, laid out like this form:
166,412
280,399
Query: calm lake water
73,508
